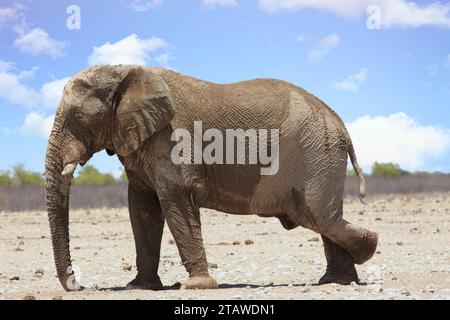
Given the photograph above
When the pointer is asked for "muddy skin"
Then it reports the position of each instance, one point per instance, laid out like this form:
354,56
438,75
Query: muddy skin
132,111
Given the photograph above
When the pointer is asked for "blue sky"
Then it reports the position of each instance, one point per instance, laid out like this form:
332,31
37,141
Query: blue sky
390,84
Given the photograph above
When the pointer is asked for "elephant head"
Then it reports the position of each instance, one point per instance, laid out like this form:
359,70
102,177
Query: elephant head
104,107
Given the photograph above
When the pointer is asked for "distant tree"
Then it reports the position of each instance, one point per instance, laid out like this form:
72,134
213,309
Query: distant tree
90,175
23,177
387,170
5,179
123,177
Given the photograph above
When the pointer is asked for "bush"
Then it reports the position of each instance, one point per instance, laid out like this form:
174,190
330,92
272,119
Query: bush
22,177
387,170
90,175
123,177
5,179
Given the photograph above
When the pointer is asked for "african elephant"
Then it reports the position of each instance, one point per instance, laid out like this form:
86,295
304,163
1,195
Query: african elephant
133,111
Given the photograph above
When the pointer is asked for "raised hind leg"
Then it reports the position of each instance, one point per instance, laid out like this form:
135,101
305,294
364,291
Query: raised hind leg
345,244
340,266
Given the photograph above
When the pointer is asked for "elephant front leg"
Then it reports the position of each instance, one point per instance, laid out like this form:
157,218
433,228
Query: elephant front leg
147,222
340,266
183,220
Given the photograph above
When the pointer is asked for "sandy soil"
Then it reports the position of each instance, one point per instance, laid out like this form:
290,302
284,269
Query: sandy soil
412,262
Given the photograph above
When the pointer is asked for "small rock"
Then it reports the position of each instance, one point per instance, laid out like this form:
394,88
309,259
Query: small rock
77,248
18,248
29,297
248,242
171,241
399,243
236,243
361,213
126,267
15,278
39,272
212,265
314,239
378,219
57,298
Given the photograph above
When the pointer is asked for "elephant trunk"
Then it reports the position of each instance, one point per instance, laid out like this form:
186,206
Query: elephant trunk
57,195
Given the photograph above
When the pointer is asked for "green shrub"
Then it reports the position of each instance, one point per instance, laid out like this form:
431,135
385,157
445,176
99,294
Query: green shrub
123,177
5,179
387,170
89,175
23,177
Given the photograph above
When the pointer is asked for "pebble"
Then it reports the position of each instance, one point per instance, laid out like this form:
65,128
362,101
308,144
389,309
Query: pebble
39,272
212,265
236,243
248,242
171,241
126,267
15,278
314,239
29,297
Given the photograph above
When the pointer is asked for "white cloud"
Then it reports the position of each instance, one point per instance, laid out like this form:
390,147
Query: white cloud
129,50
11,14
352,82
14,89
143,6
38,42
432,70
216,3
36,124
51,92
397,138
394,13
301,39
323,47
163,59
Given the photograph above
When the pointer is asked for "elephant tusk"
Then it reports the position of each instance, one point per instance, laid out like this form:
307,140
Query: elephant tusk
69,169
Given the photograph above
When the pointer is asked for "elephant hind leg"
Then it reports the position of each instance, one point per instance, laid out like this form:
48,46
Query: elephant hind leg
360,243
340,266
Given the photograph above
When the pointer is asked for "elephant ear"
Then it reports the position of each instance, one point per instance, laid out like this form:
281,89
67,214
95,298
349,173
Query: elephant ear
143,106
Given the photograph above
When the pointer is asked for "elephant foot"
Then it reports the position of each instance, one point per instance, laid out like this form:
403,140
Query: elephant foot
71,284
139,284
365,248
200,282
343,278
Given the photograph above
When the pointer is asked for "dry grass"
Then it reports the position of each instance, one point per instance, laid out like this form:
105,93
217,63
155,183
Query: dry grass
115,196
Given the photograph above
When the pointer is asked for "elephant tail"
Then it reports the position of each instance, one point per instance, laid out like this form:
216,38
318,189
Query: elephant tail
359,173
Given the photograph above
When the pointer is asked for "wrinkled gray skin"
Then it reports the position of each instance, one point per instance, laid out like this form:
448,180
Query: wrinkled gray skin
132,111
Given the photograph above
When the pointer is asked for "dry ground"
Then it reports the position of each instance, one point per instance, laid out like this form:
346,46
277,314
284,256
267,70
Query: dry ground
412,262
